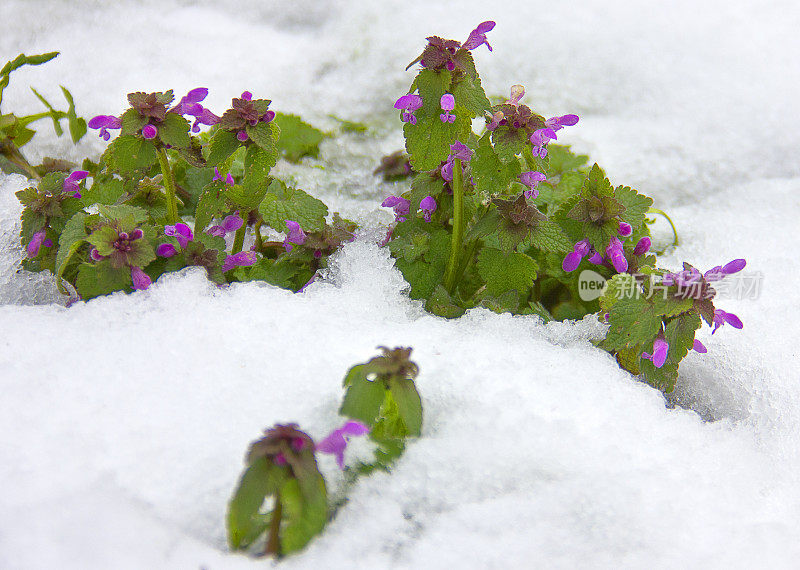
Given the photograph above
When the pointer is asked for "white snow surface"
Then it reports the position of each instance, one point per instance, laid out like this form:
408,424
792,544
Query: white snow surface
124,420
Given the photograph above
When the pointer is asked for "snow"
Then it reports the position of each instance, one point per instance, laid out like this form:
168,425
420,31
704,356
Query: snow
126,419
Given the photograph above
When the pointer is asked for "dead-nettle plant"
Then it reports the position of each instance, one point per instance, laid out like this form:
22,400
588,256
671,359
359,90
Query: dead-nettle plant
504,218
281,501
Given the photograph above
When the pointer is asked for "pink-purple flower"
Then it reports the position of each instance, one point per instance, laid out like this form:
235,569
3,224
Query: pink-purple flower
218,177
573,258
72,183
616,254
408,103
105,122
477,37
296,235
642,246
723,318
531,179
428,207
659,355
180,232
400,205
336,442
447,103
149,131
229,224
625,229
719,272
37,241
241,259
141,280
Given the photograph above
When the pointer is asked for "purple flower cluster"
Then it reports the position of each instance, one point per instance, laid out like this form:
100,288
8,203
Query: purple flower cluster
460,151
541,137
531,179
442,54
447,103
336,442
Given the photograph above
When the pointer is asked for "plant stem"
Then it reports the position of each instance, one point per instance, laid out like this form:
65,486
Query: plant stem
274,539
238,240
9,150
169,186
663,213
259,240
458,228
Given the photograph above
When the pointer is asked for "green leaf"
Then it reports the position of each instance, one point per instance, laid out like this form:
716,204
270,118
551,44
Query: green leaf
506,272
103,239
548,237
283,203
132,153
55,115
409,404
23,59
492,176
257,165
305,511
101,279
210,205
469,94
260,479
275,272
620,286
77,125
508,142
441,304
132,122
633,321
174,131
363,398
105,192
426,273
636,205
428,142
297,138
264,135
122,211
221,146
71,238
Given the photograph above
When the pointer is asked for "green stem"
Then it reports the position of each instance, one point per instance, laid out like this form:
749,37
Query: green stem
458,228
13,155
274,539
28,119
169,186
238,240
259,240
663,213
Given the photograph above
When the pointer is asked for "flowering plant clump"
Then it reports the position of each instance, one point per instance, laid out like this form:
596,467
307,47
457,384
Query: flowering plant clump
507,219
504,218
282,473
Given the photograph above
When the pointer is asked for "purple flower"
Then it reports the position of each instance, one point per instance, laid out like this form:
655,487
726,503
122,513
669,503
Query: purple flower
448,103
642,246
105,122
247,96
37,241
141,280
166,250
218,177
229,224
72,182
180,232
729,268
698,346
189,103
660,350
573,258
460,151
428,207
241,259
477,37
401,207
617,255
241,136
625,229
495,122
204,117
531,179
336,442
517,93
539,140
721,318
408,103
558,123
296,235
149,131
